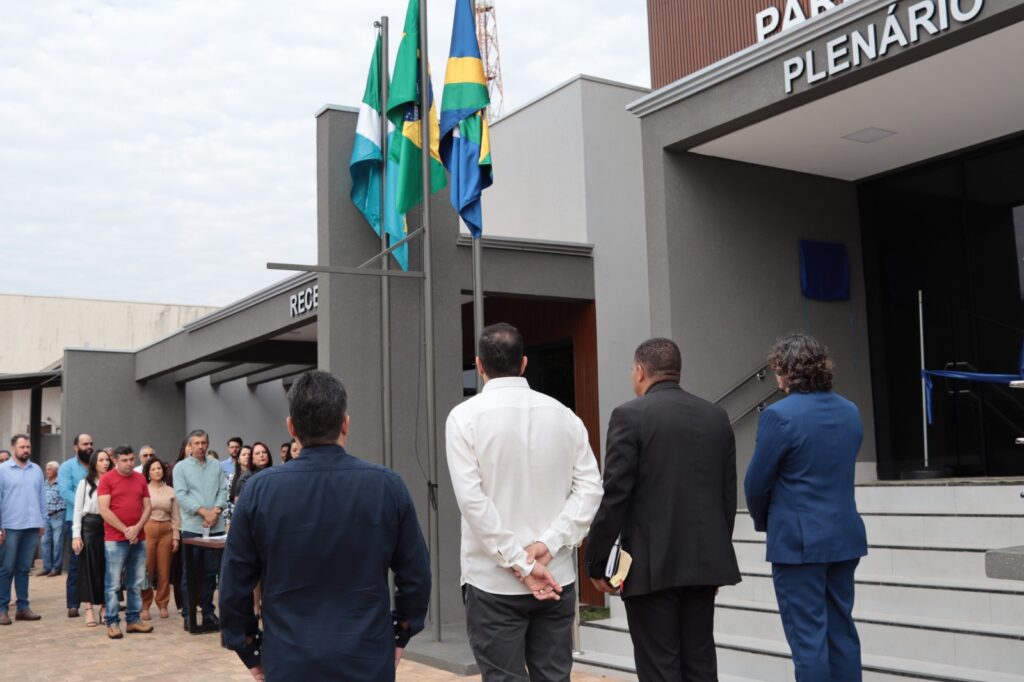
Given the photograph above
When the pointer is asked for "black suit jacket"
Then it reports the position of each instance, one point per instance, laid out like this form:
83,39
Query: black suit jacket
670,490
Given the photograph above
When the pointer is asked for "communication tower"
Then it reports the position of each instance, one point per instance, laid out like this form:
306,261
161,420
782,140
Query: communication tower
487,36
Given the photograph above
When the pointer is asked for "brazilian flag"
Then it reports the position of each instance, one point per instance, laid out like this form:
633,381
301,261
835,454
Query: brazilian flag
465,141
404,113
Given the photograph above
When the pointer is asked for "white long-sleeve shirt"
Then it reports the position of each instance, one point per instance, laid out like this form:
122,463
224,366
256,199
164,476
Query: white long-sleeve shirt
86,502
523,471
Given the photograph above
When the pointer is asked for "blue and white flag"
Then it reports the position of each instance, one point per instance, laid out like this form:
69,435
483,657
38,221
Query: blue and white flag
365,166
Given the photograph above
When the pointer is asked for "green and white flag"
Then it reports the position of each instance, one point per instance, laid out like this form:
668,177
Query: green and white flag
365,165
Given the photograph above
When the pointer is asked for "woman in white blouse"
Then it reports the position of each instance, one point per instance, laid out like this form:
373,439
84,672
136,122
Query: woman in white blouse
87,537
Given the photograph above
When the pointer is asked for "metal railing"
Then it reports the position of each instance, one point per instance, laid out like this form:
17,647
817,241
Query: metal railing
759,407
761,373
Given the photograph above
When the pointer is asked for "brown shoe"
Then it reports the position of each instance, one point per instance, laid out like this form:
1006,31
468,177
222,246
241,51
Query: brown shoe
26,614
139,627
5,619
42,573
53,574
73,612
114,632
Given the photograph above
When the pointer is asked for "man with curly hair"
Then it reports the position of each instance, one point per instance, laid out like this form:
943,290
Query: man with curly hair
799,489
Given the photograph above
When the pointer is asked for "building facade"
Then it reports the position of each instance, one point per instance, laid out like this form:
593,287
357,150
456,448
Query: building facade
889,136
41,327
887,133
859,127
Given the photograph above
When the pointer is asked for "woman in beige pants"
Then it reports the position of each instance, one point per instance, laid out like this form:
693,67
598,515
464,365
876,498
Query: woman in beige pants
163,535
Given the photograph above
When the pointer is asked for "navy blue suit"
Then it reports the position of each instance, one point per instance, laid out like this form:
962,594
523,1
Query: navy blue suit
320,534
800,489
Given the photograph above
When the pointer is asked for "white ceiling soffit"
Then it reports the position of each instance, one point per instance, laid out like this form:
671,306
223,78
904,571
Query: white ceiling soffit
955,99
306,333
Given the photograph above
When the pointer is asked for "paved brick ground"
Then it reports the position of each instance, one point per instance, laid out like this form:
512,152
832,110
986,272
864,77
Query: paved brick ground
62,648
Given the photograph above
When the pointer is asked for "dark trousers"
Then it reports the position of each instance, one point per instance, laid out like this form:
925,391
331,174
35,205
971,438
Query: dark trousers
673,634
816,604
517,637
208,562
72,583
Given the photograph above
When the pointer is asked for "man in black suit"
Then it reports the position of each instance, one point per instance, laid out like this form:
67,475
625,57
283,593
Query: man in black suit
670,492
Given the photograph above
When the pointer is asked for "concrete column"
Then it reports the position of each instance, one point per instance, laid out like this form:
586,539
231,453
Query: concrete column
349,337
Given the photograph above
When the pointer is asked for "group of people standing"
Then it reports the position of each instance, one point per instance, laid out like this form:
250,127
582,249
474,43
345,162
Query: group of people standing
125,523
321,533
324,531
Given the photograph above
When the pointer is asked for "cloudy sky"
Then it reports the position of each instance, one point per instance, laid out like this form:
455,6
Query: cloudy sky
165,150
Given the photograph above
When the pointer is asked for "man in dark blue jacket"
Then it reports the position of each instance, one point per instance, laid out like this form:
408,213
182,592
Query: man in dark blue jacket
800,489
319,534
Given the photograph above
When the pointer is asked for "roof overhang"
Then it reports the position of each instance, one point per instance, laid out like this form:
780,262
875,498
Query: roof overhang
22,382
959,98
943,90
272,327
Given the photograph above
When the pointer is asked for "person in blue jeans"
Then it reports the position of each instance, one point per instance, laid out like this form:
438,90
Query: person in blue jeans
53,533
69,475
125,506
22,514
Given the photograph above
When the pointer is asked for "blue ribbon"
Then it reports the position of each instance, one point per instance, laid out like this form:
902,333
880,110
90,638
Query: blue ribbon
980,377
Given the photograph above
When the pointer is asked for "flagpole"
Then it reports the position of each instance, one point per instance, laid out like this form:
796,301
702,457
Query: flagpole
385,282
428,324
478,302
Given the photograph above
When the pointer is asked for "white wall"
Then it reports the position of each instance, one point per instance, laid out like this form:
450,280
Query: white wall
538,190
14,411
615,226
39,328
568,167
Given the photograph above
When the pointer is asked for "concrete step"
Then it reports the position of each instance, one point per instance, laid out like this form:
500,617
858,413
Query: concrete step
998,648
905,562
968,601
942,497
925,531
622,667
607,643
618,609
600,663
770,661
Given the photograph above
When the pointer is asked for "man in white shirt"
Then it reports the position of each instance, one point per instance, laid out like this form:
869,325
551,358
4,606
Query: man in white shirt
527,484
146,453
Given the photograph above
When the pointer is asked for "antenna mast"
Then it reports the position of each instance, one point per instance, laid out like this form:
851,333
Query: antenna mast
487,37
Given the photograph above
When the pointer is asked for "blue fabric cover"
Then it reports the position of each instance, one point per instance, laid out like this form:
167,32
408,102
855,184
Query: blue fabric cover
982,377
824,271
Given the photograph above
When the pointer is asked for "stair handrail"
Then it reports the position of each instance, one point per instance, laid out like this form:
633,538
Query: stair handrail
759,406
761,373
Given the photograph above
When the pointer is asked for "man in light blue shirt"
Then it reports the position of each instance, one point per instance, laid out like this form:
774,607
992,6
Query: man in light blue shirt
22,521
69,475
228,465
202,494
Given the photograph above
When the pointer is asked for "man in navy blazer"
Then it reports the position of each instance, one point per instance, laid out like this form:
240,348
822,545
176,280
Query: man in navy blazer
319,534
800,489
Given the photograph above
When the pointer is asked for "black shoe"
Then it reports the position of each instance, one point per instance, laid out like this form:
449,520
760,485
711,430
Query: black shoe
211,620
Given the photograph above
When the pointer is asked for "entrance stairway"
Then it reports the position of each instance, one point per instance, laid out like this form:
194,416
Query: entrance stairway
924,608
